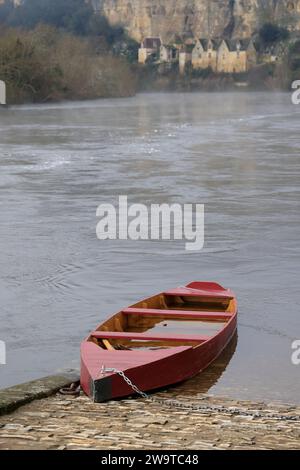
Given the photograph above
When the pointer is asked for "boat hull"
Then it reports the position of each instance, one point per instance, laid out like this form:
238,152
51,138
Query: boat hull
148,370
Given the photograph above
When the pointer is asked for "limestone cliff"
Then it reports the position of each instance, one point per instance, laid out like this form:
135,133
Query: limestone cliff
198,18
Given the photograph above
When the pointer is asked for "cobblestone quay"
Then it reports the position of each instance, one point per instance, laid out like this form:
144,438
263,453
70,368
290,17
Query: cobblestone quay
59,422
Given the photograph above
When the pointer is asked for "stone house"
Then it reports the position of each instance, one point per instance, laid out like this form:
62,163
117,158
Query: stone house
224,56
220,55
169,54
149,47
236,56
185,57
204,54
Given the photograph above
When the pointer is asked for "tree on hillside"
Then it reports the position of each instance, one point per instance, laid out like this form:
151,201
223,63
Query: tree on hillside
46,64
71,15
270,34
6,10
74,16
26,68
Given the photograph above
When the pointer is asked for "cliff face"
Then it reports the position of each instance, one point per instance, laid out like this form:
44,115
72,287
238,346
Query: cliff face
198,18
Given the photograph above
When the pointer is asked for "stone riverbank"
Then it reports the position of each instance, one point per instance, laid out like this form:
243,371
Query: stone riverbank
60,422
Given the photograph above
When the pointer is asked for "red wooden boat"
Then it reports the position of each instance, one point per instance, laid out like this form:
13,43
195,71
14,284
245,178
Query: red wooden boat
159,341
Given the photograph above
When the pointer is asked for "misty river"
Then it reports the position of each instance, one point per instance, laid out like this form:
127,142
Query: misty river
237,153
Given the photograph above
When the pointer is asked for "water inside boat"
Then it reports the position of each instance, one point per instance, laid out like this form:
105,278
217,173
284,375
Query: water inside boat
165,321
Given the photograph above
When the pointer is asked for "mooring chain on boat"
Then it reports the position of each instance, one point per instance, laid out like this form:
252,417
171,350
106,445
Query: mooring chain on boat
199,408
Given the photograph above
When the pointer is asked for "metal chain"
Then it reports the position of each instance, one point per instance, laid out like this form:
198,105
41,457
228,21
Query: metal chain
232,411
72,390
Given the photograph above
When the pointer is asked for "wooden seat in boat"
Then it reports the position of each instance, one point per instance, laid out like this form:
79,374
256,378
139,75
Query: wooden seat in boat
189,292
186,314
148,337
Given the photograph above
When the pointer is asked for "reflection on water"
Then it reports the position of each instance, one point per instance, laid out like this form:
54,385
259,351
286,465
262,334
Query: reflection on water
237,153
204,382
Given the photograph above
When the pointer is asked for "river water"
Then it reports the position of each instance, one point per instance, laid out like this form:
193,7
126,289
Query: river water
236,153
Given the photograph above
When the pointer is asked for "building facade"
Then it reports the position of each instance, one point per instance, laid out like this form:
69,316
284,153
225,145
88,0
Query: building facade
224,56
220,55
150,47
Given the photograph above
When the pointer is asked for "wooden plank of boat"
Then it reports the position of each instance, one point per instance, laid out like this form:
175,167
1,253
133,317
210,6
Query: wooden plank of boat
156,357
189,292
149,337
191,314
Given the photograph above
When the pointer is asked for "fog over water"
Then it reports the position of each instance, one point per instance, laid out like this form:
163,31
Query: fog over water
236,153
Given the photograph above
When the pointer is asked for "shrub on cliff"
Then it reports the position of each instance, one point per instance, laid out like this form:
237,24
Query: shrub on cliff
270,34
294,60
295,48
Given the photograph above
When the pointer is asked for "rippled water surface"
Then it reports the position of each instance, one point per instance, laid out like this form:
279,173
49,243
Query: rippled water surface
237,153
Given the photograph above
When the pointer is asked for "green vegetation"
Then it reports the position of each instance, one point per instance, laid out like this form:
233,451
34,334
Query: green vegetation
294,60
54,49
74,16
45,65
271,34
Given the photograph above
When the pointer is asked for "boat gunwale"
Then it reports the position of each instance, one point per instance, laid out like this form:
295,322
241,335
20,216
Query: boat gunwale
231,298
